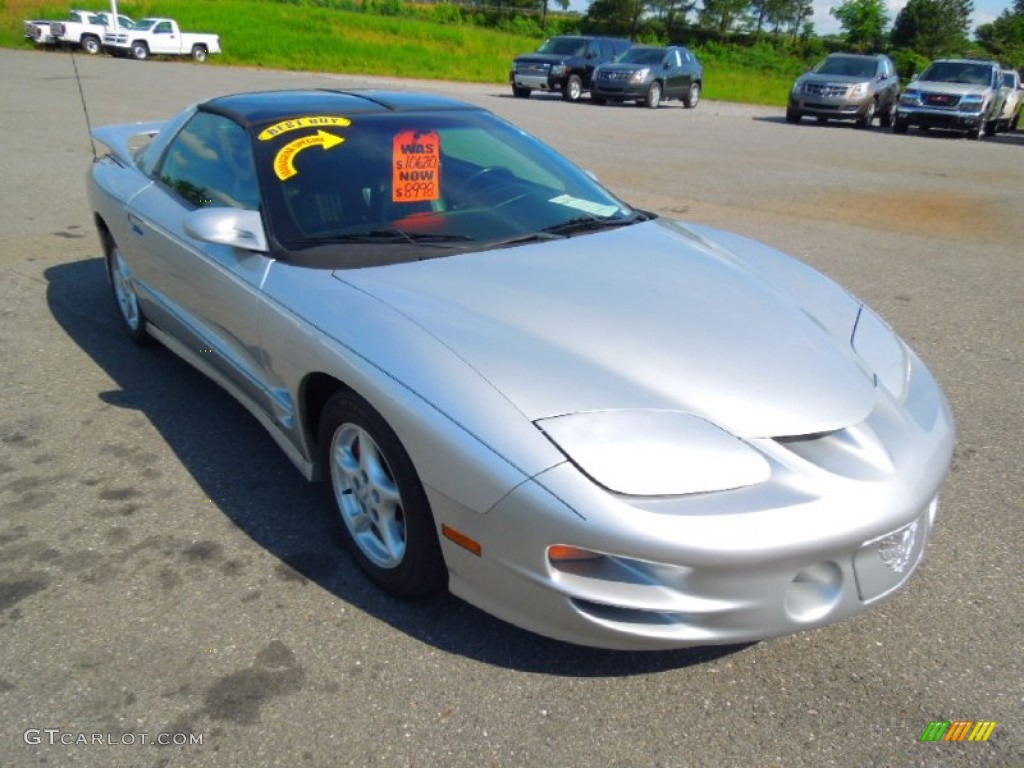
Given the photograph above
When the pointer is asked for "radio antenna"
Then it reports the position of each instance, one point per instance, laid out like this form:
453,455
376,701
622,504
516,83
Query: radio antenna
85,108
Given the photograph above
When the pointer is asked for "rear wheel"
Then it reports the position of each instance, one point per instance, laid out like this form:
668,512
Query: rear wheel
573,88
91,44
653,98
380,506
692,97
199,53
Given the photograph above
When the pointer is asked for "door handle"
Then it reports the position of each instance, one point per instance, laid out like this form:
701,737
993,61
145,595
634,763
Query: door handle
136,224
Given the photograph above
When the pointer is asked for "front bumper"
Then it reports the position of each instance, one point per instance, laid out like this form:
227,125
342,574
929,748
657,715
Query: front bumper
537,82
939,118
839,527
622,89
835,108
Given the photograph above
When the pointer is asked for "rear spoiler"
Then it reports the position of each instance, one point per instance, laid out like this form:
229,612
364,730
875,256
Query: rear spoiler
124,140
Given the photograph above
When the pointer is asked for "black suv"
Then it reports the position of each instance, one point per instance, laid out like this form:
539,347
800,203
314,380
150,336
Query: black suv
565,64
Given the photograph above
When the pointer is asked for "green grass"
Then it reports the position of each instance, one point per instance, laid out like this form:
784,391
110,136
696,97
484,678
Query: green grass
304,36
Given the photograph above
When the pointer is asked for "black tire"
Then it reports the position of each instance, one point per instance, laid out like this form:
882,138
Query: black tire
886,117
573,88
899,125
520,93
119,275
793,115
653,98
991,127
865,119
692,97
976,132
1014,122
378,501
200,53
91,44
140,51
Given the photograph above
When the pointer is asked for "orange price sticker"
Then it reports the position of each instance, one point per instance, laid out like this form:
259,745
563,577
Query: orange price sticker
416,157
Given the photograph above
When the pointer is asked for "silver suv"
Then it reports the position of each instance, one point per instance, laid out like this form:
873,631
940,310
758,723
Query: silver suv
960,94
847,86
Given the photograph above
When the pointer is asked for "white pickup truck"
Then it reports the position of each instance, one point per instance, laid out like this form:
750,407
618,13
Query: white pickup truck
160,37
86,29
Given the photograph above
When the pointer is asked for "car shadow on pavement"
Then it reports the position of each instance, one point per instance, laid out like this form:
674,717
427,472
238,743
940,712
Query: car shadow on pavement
250,481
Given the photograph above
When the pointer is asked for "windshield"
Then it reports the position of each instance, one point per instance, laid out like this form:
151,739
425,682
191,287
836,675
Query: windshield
458,179
958,72
564,46
847,66
644,56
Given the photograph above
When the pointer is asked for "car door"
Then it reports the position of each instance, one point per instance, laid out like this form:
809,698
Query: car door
677,79
889,85
204,295
164,39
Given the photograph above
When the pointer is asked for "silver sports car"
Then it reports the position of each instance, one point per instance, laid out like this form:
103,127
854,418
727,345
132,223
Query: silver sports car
595,423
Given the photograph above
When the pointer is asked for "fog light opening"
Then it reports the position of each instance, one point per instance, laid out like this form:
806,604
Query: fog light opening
814,592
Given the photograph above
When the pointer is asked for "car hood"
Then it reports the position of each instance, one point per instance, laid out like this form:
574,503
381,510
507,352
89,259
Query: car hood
541,58
617,67
643,317
840,79
939,86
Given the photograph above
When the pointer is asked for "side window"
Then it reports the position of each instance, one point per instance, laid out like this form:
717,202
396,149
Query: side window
675,60
210,163
593,50
163,28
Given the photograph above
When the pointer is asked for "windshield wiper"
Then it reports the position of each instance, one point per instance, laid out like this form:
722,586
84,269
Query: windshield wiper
593,223
384,237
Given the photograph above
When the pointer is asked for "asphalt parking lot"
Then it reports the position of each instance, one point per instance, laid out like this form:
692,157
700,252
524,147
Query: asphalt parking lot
166,575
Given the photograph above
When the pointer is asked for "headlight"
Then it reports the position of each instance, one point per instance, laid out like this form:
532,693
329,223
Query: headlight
882,351
859,91
655,453
558,69
971,103
640,75
798,86
911,97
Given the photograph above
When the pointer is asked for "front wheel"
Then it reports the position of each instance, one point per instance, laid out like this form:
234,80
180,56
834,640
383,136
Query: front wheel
199,53
91,44
140,51
793,115
380,506
867,117
520,92
653,98
899,125
692,97
133,321
573,88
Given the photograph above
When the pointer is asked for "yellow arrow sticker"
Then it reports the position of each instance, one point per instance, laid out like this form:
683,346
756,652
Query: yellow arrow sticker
284,160
313,121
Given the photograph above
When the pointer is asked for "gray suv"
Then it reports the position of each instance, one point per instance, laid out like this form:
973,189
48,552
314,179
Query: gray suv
648,76
847,86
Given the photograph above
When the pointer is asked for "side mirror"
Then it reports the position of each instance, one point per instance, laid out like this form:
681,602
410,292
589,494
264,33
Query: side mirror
236,227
